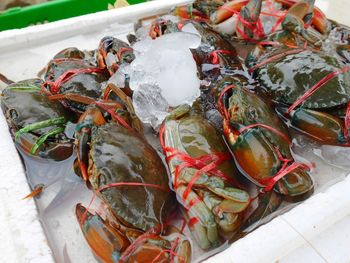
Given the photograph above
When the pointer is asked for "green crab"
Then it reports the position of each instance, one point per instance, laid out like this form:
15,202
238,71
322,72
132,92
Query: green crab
36,123
203,176
311,88
129,177
260,143
71,74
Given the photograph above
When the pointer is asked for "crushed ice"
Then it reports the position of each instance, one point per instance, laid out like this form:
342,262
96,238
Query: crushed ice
163,75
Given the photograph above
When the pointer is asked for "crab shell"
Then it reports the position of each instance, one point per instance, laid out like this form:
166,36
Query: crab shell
287,78
118,155
23,104
84,84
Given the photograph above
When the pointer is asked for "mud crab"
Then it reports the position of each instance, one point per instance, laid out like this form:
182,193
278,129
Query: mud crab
310,87
203,176
127,174
245,17
36,123
69,74
260,143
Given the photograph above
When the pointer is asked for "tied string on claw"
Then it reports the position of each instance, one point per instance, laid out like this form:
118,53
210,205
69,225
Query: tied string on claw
204,164
288,165
317,86
154,233
273,12
149,234
255,27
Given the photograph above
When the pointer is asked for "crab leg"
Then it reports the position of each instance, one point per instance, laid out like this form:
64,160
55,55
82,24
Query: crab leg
105,241
319,19
203,223
136,123
321,126
227,10
294,22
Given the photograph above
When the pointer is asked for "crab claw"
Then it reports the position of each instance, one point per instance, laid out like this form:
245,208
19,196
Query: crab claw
319,19
258,160
294,22
90,117
201,220
112,52
321,126
249,15
226,11
105,241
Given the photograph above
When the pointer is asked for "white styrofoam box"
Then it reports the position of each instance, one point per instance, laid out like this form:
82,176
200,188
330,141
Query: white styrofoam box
318,230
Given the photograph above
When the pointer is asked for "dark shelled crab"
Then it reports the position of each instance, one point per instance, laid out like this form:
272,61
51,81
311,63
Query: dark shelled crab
71,73
242,17
36,123
310,87
260,143
203,177
127,174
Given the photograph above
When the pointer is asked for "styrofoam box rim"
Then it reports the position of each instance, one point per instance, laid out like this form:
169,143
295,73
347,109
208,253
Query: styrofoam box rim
268,243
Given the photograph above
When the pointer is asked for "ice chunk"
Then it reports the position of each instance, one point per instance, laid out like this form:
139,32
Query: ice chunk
150,106
189,28
163,75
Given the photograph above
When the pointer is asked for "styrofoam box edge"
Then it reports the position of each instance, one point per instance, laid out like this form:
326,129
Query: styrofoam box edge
22,238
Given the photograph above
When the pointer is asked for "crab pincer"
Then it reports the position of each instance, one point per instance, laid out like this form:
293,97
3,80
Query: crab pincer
203,177
260,143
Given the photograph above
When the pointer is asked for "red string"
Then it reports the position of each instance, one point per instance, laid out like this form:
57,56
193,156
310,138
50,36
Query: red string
214,55
58,60
255,27
204,164
104,187
139,240
276,57
66,76
221,107
193,221
347,124
152,233
318,85
193,202
271,181
288,164
113,114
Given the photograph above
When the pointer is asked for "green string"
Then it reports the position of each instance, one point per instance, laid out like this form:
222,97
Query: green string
40,125
44,137
24,88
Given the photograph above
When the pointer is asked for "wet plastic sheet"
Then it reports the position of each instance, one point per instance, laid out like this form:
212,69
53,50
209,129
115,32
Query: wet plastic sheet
23,54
